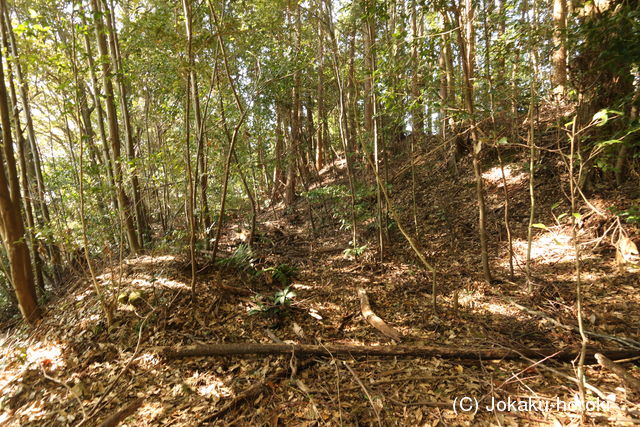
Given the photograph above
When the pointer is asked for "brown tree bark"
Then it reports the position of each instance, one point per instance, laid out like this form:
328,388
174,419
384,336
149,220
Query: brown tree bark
417,110
31,134
96,95
278,172
559,57
320,137
342,124
234,136
190,205
24,168
466,37
12,226
114,49
124,205
368,34
328,350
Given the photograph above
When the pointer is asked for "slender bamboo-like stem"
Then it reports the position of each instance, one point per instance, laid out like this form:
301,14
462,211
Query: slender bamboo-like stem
342,121
574,235
108,311
191,191
532,156
507,225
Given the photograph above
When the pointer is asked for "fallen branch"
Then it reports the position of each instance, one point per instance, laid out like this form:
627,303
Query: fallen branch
632,382
374,320
234,290
226,349
625,341
115,419
366,392
251,392
96,406
588,386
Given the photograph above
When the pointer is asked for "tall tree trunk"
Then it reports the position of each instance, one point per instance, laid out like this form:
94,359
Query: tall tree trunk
559,57
417,110
320,138
467,59
201,177
124,206
12,226
26,105
447,96
97,96
236,130
278,173
296,128
368,33
342,122
190,207
34,243
532,148
114,48
370,108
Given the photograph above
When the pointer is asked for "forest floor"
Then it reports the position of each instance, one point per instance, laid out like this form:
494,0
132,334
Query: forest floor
70,369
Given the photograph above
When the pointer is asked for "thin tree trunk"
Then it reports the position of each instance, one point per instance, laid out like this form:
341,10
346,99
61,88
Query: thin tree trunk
467,56
370,113
114,131
190,185
201,172
278,174
96,95
488,58
532,154
26,106
417,111
114,48
320,138
447,87
342,119
578,264
236,130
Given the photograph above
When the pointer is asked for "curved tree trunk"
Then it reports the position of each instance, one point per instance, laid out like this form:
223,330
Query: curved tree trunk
12,226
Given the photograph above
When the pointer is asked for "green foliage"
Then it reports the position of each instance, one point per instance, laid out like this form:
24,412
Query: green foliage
277,305
242,259
284,297
338,198
355,251
631,214
283,273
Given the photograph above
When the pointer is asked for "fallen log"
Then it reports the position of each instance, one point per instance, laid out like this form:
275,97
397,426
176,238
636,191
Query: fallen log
374,320
300,350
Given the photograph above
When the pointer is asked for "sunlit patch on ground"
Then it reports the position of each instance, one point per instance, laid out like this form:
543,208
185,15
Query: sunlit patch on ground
148,360
47,356
209,386
511,175
152,260
547,247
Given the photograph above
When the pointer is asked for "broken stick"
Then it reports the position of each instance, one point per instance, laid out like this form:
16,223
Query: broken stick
115,419
251,392
632,382
374,320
